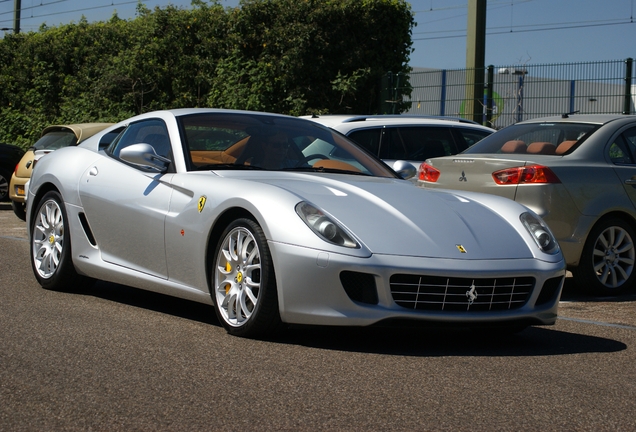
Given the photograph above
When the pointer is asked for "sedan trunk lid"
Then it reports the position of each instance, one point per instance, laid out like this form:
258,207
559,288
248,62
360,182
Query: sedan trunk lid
473,174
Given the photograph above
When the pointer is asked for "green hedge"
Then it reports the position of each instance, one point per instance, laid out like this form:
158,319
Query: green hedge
288,56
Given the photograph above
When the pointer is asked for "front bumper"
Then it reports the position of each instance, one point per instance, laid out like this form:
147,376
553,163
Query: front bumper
311,291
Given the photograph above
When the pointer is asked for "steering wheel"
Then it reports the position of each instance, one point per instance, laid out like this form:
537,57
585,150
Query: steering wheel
313,156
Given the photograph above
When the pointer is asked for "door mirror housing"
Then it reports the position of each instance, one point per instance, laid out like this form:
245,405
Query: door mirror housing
144,155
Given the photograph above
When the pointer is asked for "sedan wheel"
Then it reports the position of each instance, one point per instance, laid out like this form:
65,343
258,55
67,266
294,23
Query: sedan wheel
50,245
607,264
245,295
4,185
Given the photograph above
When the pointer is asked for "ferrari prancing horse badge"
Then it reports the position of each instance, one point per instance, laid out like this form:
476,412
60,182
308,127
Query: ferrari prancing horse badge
201,203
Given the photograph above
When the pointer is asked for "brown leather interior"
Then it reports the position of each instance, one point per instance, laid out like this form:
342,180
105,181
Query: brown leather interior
565,146
334,164
546,148
514,146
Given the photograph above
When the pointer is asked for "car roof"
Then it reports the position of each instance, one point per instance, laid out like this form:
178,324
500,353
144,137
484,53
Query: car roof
349,122
581,118
81,130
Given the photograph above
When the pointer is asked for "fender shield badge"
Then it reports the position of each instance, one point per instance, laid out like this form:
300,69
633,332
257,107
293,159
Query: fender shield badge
201,203
461,248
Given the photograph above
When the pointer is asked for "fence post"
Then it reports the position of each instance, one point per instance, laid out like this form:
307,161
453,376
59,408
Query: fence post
442,102
386,83
520,100
489,91
627,105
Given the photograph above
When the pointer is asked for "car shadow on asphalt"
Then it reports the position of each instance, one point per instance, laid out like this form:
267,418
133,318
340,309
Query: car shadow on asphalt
572,293
153,301
419,342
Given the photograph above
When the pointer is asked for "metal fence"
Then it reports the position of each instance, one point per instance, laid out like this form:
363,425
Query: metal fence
516,93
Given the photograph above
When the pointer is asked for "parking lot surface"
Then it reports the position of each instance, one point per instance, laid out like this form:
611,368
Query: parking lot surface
117,358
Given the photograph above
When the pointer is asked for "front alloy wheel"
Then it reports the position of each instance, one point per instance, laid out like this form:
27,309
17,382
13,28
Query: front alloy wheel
607,264
244,284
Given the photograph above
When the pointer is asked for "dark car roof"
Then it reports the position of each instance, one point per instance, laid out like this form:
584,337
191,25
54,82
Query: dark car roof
10,155
582,118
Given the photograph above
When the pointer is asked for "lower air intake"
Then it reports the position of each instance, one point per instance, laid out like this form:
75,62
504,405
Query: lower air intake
360,287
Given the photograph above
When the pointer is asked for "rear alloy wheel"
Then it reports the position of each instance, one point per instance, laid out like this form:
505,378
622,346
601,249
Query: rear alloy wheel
51,246
607,263
245,295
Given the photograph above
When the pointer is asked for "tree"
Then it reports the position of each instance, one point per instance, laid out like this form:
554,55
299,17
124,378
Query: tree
287,56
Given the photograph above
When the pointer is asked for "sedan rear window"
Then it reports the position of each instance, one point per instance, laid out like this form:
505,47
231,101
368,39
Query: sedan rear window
536,138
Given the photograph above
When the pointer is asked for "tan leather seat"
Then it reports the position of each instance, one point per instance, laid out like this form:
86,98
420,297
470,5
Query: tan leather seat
546,148
565,146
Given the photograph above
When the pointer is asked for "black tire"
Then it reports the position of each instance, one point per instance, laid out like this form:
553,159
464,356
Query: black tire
50,243
5,179
19,209
243,281
607,263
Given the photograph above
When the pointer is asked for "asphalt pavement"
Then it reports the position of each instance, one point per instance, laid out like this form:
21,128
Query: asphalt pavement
113,358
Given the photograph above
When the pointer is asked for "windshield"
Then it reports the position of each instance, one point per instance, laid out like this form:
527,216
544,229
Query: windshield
56,140
535,138
265,142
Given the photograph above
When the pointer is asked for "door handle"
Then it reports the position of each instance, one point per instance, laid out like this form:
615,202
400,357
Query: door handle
93,172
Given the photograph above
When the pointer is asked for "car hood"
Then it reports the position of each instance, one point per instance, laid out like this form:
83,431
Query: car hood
393,216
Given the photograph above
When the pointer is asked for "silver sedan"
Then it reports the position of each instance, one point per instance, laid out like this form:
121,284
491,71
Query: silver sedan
246,212
578,172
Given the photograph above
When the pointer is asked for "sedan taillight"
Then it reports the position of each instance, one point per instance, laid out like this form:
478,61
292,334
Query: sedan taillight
525,175
427,173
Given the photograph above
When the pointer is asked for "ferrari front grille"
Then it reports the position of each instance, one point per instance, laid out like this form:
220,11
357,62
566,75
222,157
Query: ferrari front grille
435,293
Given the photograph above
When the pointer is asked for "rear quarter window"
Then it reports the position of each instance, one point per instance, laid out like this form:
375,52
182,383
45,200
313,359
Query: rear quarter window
468,137
420,143
368,138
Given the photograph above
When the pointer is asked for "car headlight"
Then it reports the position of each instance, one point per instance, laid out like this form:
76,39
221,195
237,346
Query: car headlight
324,226
540,232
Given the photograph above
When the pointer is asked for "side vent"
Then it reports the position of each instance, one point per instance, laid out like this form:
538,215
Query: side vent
87,229
549,290
360,287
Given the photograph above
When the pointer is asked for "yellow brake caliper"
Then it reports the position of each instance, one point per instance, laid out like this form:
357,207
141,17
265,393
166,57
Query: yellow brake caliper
228,268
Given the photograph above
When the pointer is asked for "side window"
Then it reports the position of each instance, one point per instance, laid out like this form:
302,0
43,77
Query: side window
368,138
468,137
630,142
108,138
153,132
619,152
421,143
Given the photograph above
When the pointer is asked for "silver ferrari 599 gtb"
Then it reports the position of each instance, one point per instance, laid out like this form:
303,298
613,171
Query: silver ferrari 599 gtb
279,220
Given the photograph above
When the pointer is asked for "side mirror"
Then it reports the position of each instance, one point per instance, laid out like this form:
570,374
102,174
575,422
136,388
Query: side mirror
144,155
404,169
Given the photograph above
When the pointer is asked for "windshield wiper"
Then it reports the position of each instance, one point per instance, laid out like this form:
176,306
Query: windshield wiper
326,170
224,166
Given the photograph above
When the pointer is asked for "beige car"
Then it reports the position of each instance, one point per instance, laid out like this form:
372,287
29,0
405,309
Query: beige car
53,138
578,172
